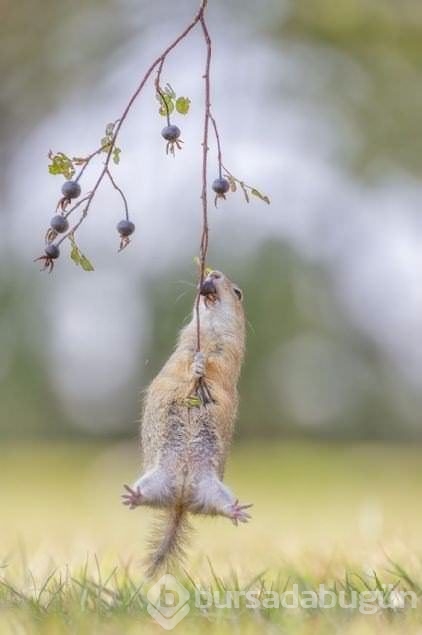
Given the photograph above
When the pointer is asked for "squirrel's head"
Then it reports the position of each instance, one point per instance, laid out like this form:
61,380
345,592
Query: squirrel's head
221,296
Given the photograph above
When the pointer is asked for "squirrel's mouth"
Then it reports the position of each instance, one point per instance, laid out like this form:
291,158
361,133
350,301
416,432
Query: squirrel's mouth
208,287
208,290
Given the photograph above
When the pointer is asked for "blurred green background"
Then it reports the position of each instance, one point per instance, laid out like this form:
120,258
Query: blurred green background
320,106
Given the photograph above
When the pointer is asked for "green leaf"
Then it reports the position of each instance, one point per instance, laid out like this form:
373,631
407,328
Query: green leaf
258,194
85,263
165,99
75,254
61,164
193,402
182,105
116,155
78,258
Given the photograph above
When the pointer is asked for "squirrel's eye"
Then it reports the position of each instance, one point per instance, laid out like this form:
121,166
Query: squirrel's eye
238,292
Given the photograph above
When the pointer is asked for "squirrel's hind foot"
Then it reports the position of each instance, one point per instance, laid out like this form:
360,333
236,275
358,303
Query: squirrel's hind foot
152,489
214,498
132,498
237,513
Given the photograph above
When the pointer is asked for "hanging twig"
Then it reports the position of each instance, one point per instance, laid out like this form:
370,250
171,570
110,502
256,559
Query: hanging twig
116,187
219,153
160,92
201,387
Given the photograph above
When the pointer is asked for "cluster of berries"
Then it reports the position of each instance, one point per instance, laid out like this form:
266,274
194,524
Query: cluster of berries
72,190
59,223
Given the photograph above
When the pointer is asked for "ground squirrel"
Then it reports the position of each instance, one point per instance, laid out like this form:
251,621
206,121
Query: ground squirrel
185,446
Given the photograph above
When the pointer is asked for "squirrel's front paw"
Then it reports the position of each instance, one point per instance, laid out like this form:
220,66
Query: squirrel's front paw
198,365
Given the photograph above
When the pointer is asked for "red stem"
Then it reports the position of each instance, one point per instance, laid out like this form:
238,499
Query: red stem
219,154
116,187
160,92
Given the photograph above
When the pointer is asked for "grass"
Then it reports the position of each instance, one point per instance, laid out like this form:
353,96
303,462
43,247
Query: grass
91,600
346,517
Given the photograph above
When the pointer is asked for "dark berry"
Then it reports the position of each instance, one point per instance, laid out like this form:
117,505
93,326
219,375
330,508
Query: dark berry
221,186
170,133
52,251
125,228
59,223
71,189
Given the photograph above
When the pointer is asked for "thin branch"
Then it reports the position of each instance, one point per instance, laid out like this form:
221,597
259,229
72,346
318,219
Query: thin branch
203,250
201,385
73,229
159,71
219,154
116,187
72,209
88,159
160,92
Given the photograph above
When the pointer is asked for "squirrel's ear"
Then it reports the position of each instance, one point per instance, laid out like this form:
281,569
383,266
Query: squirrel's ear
238,292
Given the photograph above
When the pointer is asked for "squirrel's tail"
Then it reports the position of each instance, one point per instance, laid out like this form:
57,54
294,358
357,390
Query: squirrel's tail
166,545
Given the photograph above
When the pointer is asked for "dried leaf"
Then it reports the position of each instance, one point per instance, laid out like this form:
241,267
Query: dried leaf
85,263
258,194
245,191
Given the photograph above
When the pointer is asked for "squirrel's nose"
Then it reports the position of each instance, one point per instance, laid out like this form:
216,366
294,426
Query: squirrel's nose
208,286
